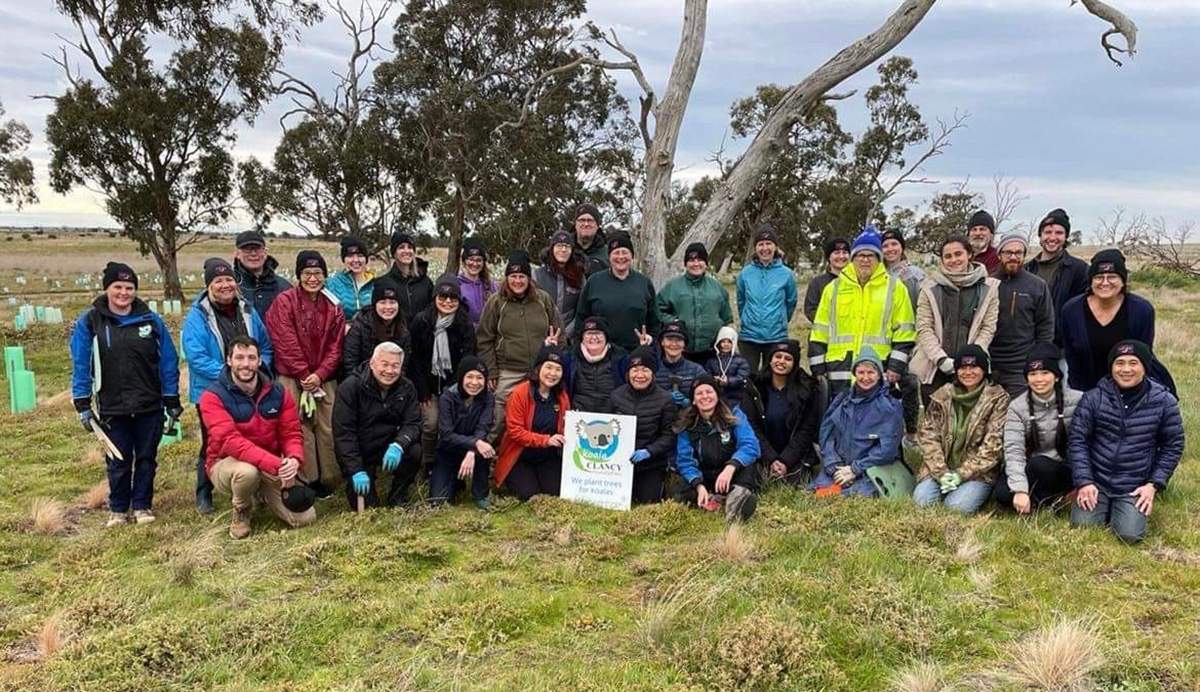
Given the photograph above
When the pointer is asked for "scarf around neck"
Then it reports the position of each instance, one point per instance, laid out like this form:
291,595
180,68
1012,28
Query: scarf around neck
961,404
441,365
973,275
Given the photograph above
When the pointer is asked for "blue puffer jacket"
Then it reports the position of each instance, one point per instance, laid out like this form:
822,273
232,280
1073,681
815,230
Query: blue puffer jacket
862,430
202,345
352,298
738,446
766,298
1119,449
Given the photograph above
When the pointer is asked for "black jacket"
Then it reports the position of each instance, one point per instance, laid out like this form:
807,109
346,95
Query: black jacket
1026,317
590,385
655,416
366,419
366,333
1070,280
260,291
803,419
461,425
416,291
462,343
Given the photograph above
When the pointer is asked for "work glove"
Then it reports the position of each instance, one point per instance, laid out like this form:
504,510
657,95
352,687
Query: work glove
361,483
308,405
679,399
949,481
391,458
946,365
85,419
173,407
843,475
639,455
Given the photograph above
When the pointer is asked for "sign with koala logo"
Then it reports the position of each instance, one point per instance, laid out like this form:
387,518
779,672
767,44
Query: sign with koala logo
596,466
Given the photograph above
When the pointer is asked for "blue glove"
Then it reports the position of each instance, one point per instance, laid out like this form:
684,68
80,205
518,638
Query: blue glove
391,458
639,455
679,399
361,483
85,419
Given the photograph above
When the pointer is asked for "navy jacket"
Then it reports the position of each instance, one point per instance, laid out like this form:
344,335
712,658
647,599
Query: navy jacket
461,425
367,419
1072,324
262,290
128,361
1119,449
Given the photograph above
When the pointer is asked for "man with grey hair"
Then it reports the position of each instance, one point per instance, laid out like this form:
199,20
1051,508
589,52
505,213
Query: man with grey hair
377,425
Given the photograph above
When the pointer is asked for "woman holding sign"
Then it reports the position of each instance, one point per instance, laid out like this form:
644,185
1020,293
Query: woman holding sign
654,448
530,459
715,452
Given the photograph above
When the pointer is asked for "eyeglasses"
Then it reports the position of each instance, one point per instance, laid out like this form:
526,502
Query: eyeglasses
1106,279
1012,253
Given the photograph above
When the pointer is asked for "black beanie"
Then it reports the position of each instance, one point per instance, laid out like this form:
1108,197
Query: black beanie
893,235
595,323
310,259
468,364
473,247
1057,216
674,330
1131,347
790,347
766,231
547,354
644,356
384,289
116,271
353,246
590,210
518,263
1043,356
1109,261
214,267
695,251
447,285
620,240
982,218
833,245
973,354
298,498
561,237
706,379
402,238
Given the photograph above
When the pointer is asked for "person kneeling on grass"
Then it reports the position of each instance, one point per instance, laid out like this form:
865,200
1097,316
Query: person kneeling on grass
377,425
861,429
715,453
962,437
1035,436
530,460
255,447
654,446
464,421
781,403
1126,440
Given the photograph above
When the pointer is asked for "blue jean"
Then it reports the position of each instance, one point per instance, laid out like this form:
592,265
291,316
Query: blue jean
861,486
1117,512
965,499
131,482
444,483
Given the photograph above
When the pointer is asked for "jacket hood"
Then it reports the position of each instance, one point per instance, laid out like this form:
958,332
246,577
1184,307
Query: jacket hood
728,332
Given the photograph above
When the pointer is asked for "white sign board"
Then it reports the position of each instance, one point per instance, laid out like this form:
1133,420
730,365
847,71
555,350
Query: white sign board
596,467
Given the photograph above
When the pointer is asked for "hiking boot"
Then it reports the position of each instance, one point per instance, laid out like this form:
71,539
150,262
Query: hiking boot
116,519
483,503
143,516
204,503
239,527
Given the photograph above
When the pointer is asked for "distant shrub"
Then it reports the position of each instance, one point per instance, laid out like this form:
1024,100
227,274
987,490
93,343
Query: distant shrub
52,237
1161,277
26,236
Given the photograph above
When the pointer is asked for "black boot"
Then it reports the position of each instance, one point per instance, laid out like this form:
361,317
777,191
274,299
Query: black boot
204,490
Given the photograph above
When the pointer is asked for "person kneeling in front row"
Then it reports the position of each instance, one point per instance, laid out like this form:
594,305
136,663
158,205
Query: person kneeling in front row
464,421
255,446
715,453
377,426
1125,441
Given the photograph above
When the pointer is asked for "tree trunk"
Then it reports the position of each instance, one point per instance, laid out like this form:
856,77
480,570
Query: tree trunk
170,271
458,223
660,156
720,210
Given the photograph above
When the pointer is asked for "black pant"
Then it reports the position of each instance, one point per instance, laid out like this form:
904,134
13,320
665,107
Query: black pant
908,391
444,483
402,479
202,481
1048,481
648,485
131,482
939,379
538,471
756,353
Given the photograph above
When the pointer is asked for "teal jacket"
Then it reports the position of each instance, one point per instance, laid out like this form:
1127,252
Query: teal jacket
766,297
341,285
701,303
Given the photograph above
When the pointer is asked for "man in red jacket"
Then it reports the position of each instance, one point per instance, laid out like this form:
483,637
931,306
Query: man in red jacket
254,443
306,325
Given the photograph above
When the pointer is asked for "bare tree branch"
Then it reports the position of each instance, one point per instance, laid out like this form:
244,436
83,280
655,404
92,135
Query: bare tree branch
937,146
1121,25
1006,197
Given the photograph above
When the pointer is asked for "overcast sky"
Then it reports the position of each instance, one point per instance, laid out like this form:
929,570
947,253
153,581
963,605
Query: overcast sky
1047,107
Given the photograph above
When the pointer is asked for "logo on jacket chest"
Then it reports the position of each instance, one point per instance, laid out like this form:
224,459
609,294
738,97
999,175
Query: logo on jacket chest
145,331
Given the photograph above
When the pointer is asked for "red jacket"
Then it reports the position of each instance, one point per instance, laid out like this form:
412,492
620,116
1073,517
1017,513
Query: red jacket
307,335
518,419
258,430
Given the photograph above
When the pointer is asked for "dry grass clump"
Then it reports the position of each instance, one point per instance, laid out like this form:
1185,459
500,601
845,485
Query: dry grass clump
969,549
924,676
50,637
661,612
1061,658
48,517
735,546
193,557
95,497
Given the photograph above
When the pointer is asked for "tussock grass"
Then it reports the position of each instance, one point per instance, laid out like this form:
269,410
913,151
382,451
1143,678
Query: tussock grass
48,517
95,497
734,545
1060,658
50,637
662,613
186,560
969,549
924,676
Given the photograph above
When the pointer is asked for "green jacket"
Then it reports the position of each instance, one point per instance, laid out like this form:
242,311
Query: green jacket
701,303
627,304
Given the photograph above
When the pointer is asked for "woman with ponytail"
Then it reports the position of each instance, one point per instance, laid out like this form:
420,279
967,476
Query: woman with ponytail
1035,436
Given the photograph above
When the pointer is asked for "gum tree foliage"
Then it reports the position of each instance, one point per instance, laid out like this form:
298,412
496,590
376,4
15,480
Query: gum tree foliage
16,170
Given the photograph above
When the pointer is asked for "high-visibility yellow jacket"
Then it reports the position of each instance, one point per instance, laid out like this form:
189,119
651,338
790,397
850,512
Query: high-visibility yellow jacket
851,316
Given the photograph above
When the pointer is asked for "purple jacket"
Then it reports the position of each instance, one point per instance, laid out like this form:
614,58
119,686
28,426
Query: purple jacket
475,294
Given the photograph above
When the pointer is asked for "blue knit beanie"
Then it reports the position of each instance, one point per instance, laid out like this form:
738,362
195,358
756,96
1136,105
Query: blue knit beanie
868,241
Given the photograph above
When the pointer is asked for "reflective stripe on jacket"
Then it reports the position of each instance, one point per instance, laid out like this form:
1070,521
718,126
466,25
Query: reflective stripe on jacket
851,316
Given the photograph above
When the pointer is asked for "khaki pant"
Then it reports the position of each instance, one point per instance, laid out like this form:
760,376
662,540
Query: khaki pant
245,483
319,461
429,432
506,380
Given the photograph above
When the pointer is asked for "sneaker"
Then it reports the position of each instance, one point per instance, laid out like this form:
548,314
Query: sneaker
204,503
239,527
483,503
116,519
143,516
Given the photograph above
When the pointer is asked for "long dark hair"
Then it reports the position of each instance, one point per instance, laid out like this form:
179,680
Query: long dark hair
1033,436
722,417
572,270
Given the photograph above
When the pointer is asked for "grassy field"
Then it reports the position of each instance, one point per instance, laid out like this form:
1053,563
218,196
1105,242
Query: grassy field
812,594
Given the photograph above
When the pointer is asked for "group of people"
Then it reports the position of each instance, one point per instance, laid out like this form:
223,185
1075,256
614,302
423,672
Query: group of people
362,380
